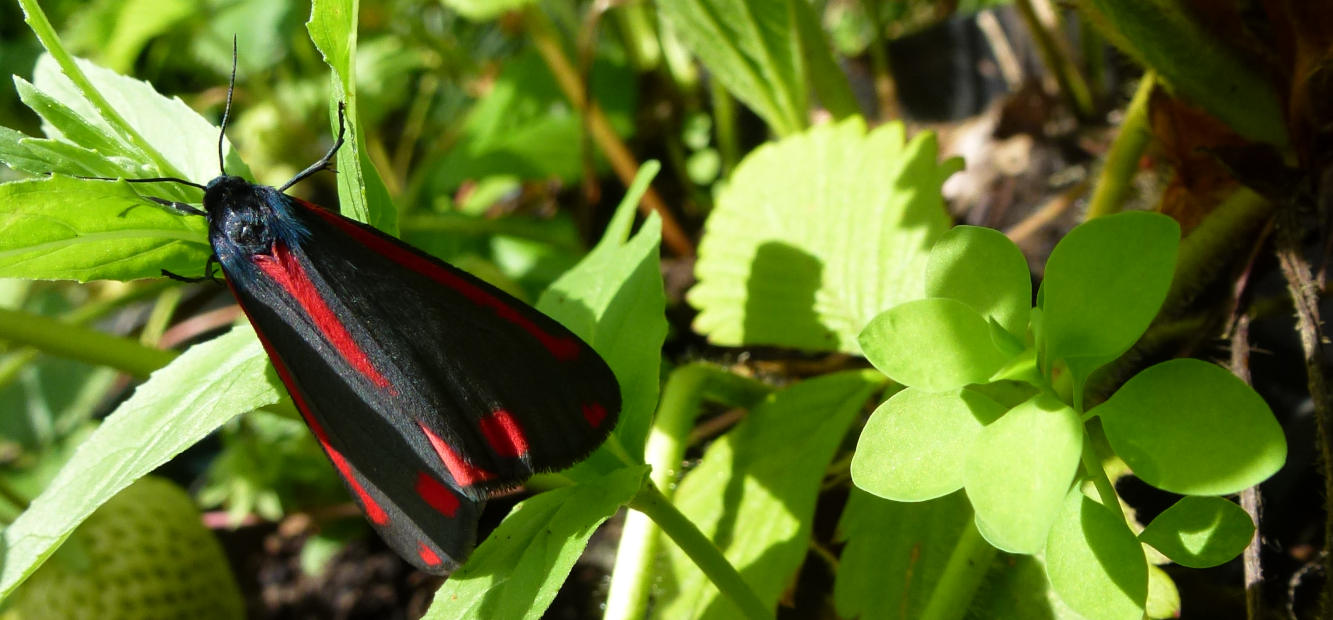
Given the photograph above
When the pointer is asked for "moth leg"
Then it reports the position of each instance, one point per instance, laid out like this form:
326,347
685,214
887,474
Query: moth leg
325,162
179,207
210,273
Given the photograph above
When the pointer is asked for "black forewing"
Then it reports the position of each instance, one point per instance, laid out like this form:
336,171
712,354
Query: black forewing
447,366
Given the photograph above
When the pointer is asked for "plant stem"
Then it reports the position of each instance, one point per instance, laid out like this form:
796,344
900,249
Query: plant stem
1072,85
1092,465
886,100
1122,161
684,391
81,343
547,42
701,550
968,564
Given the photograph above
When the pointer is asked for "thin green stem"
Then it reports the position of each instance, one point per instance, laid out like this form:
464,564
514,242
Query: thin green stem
885,100
1122,161
36,20
1092,466
1072,84
701,550
160,318
685,389
724,126
81,343
968,564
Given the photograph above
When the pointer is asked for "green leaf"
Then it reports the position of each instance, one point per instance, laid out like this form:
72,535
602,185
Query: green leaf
1104,283
525,127
184,139
752,48
885,542
1200,532
1094,562
517,570
817,234
1019,470
62,228
914,445
361,193
935,344
754,491
1168,36
176,407
614,300
1190,427
983,268
485,10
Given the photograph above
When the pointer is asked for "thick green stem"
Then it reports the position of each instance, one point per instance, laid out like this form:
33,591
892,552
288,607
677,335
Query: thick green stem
1122,161
684,391
81,343
1092,466
702,551
968,564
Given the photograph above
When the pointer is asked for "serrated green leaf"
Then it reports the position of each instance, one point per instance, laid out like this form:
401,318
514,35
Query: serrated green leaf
175,408
1191,427
614,300
752,48
754,492
935,344
42,156
1104,283
1019,470
517,570
62,228
817,234
1200,532
984,269
914,445
1094,562
59,121
885,542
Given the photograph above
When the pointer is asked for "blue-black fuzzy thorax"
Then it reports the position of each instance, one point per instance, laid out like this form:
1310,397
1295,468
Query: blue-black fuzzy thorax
245,219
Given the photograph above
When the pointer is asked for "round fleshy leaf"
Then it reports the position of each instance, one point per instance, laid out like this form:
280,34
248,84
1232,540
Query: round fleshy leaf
1200,532
913,447
984,269
933,344
1104,283
1190,427
1095,563
1018,472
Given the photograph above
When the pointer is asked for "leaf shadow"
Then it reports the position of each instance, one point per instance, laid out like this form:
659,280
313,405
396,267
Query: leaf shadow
780,299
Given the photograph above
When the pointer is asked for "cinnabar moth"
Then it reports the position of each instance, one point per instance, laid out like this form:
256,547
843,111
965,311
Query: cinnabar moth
426,387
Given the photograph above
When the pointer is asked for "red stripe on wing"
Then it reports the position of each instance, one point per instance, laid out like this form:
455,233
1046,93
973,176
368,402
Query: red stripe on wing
287,271
562,348
503,434
437,495
373,510
427,555
594,413
465,474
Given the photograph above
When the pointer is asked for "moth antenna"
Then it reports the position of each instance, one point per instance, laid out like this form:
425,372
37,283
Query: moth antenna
226,111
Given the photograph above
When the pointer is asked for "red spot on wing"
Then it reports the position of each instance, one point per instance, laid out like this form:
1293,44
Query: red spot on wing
594,413
437,495
503,434
373,510
562,348
465,474
427,555
287,271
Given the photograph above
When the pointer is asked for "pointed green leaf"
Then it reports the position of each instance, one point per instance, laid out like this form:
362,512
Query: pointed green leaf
1019,470
817,234
914,445
1200,532
517,570
175,408
1191,427
983,268
754,492
1094,562
63,228
934,344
